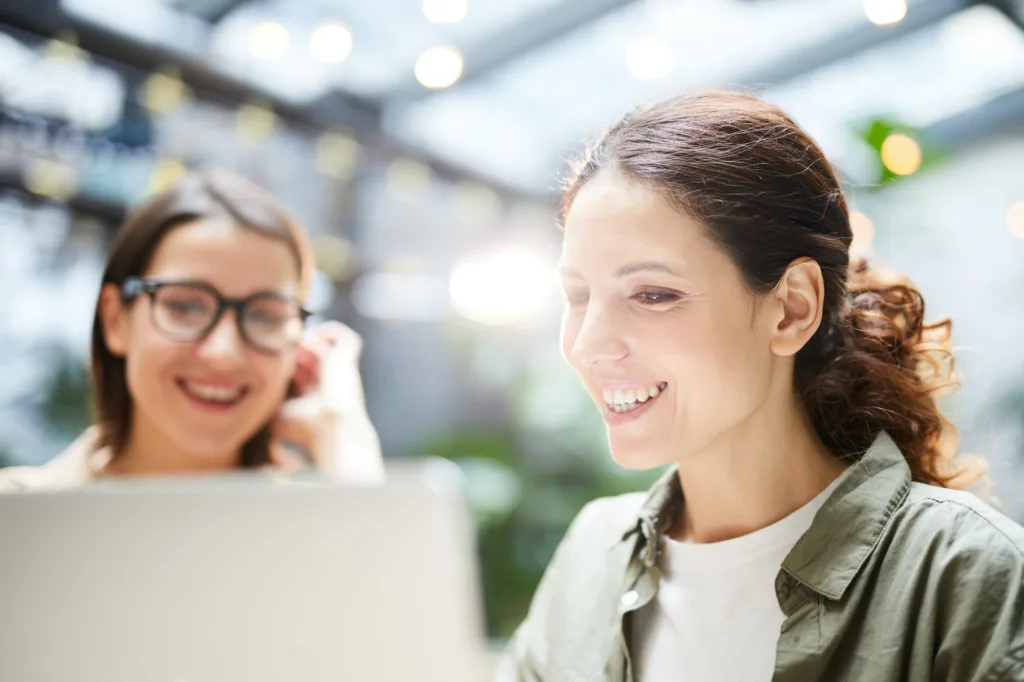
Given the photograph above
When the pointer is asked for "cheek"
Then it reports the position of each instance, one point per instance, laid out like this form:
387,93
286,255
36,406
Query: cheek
570,330
272,375
149,358
718,361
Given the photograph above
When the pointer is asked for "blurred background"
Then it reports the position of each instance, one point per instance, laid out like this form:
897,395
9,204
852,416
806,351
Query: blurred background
421,142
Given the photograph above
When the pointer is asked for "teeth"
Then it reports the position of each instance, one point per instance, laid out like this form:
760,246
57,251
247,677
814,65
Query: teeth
217,394
629,399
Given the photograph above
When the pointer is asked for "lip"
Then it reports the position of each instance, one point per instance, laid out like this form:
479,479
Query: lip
207,406
631,384
613,418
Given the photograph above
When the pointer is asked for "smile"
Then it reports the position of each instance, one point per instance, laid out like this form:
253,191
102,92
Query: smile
212,395
627,400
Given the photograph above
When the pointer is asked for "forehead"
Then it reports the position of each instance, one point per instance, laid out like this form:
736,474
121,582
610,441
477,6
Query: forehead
235,260
614,220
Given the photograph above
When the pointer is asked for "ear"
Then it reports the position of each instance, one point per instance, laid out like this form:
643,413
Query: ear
799,298
114,318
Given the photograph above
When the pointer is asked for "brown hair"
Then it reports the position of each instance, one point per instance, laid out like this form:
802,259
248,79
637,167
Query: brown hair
207,195
768,196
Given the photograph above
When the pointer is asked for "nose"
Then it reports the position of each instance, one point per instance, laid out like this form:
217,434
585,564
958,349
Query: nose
223,343
599,338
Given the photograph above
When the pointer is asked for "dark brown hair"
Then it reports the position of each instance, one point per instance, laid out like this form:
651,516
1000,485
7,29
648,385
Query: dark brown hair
207,195
768,196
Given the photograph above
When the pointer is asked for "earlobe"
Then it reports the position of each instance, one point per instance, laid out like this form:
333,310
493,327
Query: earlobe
800,296
113,316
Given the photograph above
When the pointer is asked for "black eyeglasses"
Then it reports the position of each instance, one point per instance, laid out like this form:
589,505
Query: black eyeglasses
188,311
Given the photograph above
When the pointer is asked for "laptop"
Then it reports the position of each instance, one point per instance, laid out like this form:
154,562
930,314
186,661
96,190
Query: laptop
242,579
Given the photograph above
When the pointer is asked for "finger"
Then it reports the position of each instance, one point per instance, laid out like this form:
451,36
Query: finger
299,426
288,457
340,337
306,374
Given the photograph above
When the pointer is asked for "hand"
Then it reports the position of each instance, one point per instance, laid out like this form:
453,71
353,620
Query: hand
324,421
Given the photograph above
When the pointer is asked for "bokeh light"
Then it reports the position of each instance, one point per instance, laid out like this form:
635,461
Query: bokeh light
439,67
269,41
649,59
1015,219
901,154
885,12
502,287
445,11
331,42
863,233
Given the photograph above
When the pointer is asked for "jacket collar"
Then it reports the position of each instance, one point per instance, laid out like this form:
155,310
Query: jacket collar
842,536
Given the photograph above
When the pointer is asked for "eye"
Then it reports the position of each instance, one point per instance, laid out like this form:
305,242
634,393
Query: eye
655,297
576,298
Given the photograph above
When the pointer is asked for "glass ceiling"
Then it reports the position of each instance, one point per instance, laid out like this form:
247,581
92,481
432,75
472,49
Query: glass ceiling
517,121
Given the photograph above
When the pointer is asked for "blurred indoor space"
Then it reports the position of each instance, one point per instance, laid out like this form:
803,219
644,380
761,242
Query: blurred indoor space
422,143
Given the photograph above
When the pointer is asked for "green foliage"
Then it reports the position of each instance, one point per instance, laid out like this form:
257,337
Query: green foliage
875,131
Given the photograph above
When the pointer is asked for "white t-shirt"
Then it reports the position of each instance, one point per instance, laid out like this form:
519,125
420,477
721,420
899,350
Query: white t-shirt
716,617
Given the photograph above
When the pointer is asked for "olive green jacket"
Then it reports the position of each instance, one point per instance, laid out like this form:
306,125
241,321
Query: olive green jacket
894,581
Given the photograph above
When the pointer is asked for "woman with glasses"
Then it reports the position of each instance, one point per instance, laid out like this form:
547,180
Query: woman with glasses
200,357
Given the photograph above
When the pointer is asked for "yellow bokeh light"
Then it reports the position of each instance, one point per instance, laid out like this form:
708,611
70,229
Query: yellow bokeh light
333,256
163,92
408,179
863,233
255,123
64,47
901,154
269,41
1015,219
166,174
336,155
50,178
439,67
885,12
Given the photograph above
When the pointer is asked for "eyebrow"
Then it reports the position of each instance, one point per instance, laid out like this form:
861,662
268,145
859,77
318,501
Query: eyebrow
627,270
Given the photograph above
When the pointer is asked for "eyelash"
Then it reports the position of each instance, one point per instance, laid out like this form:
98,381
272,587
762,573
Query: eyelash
647,298
655,297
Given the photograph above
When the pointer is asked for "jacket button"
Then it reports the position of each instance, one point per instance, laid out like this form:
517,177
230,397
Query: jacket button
630,598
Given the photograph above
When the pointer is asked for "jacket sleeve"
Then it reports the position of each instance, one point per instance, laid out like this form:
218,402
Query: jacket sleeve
981,601
527,657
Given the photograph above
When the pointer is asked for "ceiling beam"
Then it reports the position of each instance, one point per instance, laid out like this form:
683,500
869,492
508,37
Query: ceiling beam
1002,115
860,39
528,34
210,10
1013,12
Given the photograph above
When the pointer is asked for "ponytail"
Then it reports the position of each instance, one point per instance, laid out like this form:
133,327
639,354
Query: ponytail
883,371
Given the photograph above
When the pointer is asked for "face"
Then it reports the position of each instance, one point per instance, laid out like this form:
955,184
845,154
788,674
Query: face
206,396
668,340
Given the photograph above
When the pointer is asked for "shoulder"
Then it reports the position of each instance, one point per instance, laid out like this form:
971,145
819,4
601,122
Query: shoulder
70,468
574,611
960,522
969,559
601,524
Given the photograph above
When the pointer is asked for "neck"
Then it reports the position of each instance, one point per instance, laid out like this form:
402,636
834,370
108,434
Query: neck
755,475
149,452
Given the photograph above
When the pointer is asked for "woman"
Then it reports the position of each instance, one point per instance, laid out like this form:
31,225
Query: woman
200,362
714,317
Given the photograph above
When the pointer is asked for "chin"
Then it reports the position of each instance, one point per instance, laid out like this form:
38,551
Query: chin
209,453
638,458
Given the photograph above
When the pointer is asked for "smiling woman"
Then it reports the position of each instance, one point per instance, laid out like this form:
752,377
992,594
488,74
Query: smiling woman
714,316
198,341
